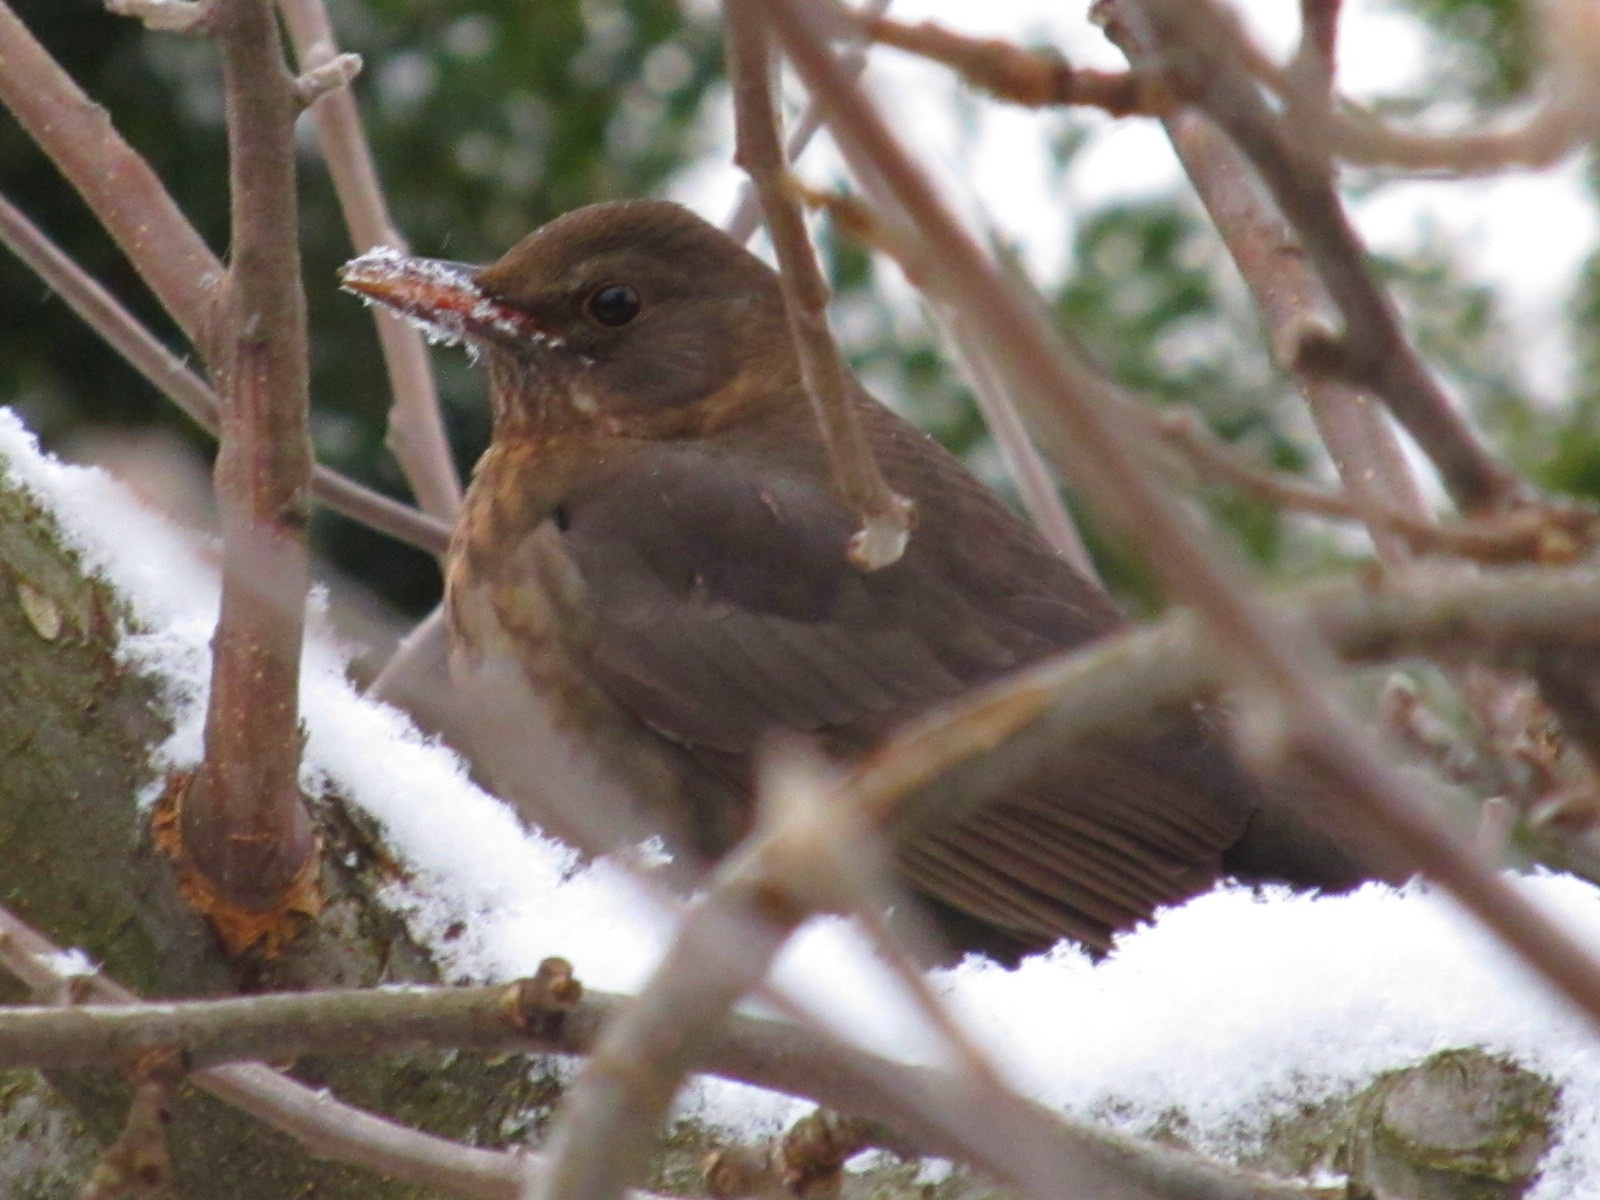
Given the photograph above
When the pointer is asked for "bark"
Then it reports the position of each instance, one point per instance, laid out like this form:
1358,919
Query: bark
76,733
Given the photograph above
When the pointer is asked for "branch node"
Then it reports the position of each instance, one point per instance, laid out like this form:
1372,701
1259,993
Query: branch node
1311,344
166,16
540,1004
882,538
241,927
339,71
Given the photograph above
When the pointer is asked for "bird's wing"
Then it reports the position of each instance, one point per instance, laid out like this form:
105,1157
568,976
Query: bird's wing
724,608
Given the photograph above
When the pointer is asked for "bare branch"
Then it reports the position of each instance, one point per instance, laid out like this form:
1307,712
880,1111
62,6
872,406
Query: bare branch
1114,687
165,372
245,849
325,1126
1026,465
914,1101
723,948
416,427
1359,436
746,217
1273,657
316,82
523,1015
1034,79
1188,40
885,517
1316,60
115,182
1522,535
1569,38
1035,485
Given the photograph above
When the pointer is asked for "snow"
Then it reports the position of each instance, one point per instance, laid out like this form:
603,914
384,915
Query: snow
440,299
1228,1008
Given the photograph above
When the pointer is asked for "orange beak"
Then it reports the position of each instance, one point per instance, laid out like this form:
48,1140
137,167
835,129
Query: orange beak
442,298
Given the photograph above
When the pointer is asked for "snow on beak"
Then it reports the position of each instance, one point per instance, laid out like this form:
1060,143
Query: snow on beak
441,298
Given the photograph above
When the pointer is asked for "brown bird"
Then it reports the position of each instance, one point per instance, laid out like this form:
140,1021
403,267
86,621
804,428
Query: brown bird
654,538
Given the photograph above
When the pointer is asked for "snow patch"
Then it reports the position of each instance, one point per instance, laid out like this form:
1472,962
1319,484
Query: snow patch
1226,1008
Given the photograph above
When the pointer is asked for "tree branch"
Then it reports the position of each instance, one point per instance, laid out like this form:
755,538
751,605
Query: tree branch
245,849
416,426
1030,78
746,216
115,182
1272,657
1188,41
167,374
325,1126
885,516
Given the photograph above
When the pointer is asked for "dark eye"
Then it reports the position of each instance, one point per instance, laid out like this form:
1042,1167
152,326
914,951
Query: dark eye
615,304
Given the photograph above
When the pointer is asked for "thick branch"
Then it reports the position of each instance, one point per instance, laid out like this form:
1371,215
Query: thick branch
245,833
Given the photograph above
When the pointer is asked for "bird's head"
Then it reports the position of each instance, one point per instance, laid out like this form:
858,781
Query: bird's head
633,317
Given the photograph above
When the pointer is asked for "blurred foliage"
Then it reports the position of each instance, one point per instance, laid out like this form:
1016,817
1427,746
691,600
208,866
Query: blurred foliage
1484,49
487,118
490,116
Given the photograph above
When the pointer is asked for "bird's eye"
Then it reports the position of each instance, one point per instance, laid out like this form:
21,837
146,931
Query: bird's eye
615,304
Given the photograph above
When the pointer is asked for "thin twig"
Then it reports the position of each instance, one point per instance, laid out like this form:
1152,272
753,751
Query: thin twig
416,427
326,1127
746,216
1188,40
1030,78
1569,41
165,16
1036,487
169,375
331,75
114,181
1498,539
615,1108
1273,657
885,516
1040,496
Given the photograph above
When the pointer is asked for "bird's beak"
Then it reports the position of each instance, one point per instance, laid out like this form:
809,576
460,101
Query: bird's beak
441,297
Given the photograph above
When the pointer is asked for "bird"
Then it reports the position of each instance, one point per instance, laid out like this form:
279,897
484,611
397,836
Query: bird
653,539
